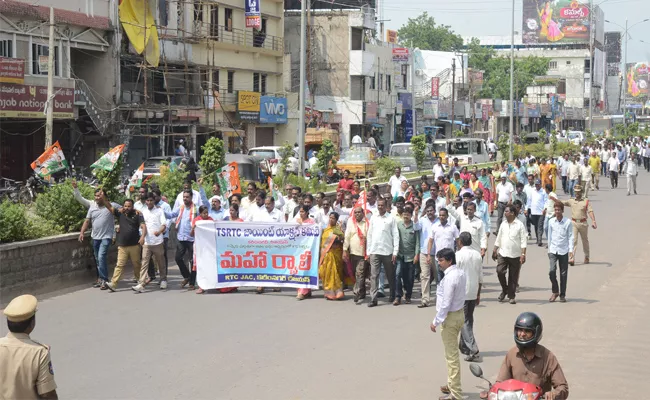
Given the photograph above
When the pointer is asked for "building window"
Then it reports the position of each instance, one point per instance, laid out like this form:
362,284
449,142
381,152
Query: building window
381,81
6,48
205,78
38,51
552,65
260,36
163,12
263,84
198,11
228,13
231,81
256,82
215,79
587,66
372,83
568,63
214,21
389,83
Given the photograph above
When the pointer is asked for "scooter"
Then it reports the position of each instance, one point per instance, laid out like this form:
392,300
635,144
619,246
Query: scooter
511,389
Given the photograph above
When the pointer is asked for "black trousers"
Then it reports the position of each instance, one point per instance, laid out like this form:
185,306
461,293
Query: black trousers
537,221
501,210
564,184
563,260
467,343
511,267
613,176
186,247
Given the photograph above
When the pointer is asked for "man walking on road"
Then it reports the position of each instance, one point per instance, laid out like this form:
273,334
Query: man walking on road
504,192
129,240
443,236
471,263
184,216
612,166
536,204
631,172
510,253
450,316
560,240
573,175
154,218
595,164
425,226
580,211
564,172
383,245
354,249
585,176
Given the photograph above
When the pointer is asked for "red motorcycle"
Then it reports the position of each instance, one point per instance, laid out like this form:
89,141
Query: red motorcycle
511,389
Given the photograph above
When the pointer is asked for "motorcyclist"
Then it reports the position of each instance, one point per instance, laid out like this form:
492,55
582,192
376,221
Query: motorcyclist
531,362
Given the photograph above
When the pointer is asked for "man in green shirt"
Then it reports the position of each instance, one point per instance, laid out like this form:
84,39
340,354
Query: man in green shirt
407,256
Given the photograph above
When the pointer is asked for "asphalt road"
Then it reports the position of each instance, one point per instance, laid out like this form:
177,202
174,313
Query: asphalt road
176,344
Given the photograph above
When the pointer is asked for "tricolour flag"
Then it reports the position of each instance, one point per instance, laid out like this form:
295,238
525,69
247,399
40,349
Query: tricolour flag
52,160
362,202
136,179
108,160
228,179
273,189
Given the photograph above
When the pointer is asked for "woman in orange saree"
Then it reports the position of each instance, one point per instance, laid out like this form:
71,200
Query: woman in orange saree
330,265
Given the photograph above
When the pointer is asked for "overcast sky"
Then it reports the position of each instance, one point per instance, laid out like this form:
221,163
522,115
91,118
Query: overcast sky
493,17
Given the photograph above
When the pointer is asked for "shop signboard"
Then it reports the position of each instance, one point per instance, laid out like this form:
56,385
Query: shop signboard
12,70
26,101
253,15
248,106
273,110
400,54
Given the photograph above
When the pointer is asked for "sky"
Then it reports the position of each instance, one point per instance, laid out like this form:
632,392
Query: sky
493,17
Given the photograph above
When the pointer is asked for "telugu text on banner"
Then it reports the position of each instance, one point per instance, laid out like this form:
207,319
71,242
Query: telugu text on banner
233,254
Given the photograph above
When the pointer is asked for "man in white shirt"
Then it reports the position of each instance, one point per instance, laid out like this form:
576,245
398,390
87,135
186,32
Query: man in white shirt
604,158
536,205
450,316
472,224
156,223
268,213
564,171
141,204
510,253
470,261
504,191
573,175
438,169
249,200
612,167
356,139
585,175
424,226
560,241
395,181
631,172
383,245
443,235
354,249
196,196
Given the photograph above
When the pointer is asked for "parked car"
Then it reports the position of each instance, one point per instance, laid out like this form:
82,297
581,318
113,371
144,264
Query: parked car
403,154
576,137
269,157
152,165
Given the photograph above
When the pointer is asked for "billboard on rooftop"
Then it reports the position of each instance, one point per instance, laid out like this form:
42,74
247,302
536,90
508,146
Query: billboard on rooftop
555,21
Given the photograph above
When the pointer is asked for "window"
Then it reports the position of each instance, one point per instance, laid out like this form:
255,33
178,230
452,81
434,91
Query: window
372,83
381,81
263,84
256,82
228,13
552,65
568,63
214,21
6,48
587,66
215,79
38,51
198,11
205,78
163,13
389,83
231,81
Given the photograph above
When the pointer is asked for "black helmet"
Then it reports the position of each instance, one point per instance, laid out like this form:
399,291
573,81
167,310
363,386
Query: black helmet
531,322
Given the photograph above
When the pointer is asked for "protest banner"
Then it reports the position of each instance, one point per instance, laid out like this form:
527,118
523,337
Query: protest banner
108,160
51,161
234,254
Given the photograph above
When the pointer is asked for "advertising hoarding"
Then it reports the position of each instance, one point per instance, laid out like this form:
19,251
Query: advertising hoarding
391,36
371,112
638,78
435,88
555,21
248,106
12,70
400,54
253,15
273,110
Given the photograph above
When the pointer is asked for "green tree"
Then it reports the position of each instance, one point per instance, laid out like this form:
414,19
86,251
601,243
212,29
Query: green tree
502,145
419,144
326,157
57,204
385,168
423,32
212,160
170,181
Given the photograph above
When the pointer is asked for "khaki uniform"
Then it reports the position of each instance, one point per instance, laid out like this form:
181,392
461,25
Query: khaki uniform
25,368
580,210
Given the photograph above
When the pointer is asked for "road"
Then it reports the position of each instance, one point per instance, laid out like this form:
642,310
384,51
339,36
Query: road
176,344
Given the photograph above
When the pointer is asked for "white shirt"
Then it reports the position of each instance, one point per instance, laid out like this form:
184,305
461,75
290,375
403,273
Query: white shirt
537,201
443,236
511,239
613,164
564,168
474,227
139,206
154,219
504,192
604,155
560,235
262,215
289,207
196,199
356,139
450,295
469,260
550,205
395,183
586,172
383,236
424,225
632,168
438,170
573,172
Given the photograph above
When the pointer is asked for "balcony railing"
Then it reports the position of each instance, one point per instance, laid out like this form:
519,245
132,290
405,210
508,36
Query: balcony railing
240,37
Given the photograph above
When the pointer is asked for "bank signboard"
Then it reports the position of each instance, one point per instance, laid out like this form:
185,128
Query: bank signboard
27,101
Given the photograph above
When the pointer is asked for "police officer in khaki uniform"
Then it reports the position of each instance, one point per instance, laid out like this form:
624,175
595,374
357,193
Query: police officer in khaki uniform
580,209
25,366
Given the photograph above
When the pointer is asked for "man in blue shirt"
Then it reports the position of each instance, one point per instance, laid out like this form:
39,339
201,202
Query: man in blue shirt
482,211
184,214
216,212
560,239
622,156
520,172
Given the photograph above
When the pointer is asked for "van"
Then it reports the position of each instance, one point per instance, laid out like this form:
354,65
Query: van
467,150
403,154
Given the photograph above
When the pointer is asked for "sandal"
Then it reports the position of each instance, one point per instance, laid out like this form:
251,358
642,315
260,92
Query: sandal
184,283
191,287
300,297
259,290
200,291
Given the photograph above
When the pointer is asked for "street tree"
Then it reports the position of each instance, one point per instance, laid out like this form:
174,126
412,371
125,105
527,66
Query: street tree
423,32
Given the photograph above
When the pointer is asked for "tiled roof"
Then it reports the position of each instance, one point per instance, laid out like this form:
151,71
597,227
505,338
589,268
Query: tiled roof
12,7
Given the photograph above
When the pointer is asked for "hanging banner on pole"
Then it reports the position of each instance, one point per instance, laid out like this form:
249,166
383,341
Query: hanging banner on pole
391,36
253,14
435,88
234,254
400,54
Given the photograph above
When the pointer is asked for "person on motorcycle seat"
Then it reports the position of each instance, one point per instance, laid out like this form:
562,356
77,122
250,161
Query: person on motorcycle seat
531,362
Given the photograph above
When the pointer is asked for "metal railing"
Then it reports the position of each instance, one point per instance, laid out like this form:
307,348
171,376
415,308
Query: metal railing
241,37
98,111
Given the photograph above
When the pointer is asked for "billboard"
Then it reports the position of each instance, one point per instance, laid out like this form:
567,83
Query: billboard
253,15
248,106
638,78
613,46
273,110
371,112
555,21
391,36
25,101
12,70
400,54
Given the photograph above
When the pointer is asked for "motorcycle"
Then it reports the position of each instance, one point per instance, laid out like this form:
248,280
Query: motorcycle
10,190
511,389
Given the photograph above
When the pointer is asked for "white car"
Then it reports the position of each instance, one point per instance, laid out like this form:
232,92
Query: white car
269,156
576,137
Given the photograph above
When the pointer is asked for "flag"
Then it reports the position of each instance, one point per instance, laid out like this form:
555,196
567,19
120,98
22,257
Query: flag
362,202
52,160
139,25
108,160
136,179
228,179
273,189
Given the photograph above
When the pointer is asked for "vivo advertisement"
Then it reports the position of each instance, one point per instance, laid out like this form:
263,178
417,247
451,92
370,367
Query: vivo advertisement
273,110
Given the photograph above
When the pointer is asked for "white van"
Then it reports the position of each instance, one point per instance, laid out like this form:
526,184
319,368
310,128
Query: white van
467,150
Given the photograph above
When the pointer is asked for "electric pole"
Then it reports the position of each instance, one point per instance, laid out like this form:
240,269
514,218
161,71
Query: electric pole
49,117
303,62
453,93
